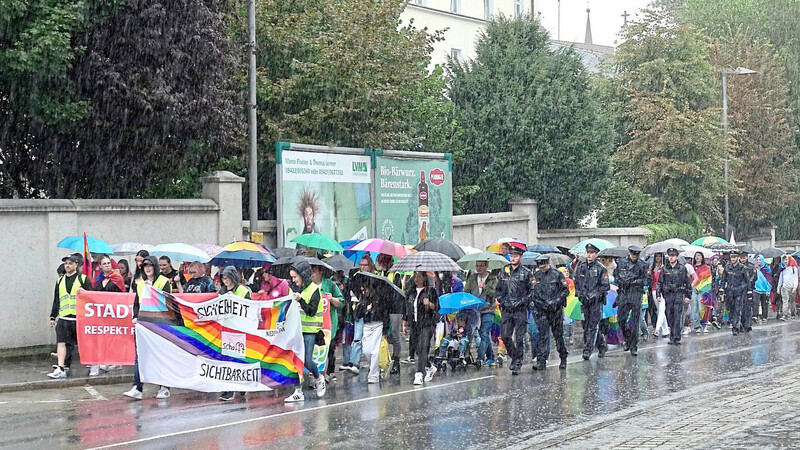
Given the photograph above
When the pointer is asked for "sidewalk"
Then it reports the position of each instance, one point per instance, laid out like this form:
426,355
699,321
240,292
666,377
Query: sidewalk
24,374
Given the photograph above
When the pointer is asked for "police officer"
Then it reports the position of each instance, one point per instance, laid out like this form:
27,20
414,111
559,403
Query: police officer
591,286
674,288
631,278
737,287
749,302
550,292
514,284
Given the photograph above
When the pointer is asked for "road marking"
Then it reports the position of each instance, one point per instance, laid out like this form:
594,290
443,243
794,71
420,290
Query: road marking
288,413
93,392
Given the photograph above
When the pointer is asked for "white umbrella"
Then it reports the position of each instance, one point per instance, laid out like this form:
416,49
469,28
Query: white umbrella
470,250
689,251
129,248
181,252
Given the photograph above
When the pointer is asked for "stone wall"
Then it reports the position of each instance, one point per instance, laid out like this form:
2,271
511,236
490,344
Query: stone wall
32,229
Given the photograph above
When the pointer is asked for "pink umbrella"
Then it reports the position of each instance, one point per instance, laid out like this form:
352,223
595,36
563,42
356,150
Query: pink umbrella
380,246
212,249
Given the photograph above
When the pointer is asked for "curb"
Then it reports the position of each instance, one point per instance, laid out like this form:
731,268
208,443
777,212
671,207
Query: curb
69,382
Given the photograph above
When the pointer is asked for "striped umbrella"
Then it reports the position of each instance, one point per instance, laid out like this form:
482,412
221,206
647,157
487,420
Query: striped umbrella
425,262
601,244
708,240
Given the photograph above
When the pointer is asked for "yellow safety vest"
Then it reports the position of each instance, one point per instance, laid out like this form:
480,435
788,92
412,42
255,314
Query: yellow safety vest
241,291
311,324
160,283
67,301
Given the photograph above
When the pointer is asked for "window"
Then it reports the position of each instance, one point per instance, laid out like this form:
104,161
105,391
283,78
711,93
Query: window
488,9
455,6
518,9
457,54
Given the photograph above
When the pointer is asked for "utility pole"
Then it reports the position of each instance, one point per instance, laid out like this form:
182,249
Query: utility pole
251,116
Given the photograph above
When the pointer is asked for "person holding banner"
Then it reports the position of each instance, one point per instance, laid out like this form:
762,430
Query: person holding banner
108,280
308,297
64,312
230,283
331,291
150,277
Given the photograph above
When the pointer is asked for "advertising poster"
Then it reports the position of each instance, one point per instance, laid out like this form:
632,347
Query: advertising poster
325,193
414,199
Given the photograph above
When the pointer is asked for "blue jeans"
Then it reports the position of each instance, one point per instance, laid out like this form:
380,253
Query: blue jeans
445,344
485,346
643,324
355,348
308,342
694,310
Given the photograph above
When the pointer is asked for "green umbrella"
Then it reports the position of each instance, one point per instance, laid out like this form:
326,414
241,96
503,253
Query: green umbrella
494,261
708,240
318,240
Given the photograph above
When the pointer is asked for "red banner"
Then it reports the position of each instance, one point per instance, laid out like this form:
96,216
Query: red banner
105,328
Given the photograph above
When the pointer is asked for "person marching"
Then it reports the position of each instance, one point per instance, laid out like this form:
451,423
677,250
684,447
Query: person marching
631,278
748,307
64,311
675,289
514,286
591,286
550,292
737,284
231,283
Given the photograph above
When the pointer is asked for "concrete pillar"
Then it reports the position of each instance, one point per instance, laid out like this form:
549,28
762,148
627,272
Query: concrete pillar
530,208
225,188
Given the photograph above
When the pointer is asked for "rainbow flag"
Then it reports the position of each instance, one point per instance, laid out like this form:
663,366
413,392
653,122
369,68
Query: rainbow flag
222,343
573,308
87,260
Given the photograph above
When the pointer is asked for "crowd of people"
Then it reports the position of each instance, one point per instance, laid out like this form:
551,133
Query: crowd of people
671,297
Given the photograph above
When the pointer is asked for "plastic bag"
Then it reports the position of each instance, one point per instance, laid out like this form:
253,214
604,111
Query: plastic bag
384,357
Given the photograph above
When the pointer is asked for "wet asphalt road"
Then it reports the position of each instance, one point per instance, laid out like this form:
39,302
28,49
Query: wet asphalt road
714,391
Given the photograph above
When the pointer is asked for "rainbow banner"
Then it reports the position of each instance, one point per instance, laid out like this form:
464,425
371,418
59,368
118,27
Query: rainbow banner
222,343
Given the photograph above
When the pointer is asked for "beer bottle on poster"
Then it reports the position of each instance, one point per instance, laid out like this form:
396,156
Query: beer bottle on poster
422,190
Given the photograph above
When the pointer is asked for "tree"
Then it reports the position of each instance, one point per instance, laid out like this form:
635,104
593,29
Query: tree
623,205
666,92
341,72
530,123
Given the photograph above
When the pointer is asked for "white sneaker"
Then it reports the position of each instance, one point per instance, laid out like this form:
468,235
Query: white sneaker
344,367
407,360
697,331
429,373
418,379
686,330
705,329
133,393
94,371
320,387
57,373
106,368
353,369
163,393
297,396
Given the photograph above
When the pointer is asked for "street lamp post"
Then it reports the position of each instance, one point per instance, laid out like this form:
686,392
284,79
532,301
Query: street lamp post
725,74
251,116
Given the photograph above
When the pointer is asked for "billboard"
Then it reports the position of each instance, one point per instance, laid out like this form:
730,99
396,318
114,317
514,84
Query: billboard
323,192
413,196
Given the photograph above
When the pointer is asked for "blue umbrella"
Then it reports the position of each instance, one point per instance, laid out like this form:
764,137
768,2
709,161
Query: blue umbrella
75,243
242,258
543,248
452,303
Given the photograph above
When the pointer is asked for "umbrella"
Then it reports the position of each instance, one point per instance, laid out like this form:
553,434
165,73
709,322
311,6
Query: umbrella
180,252
129,248
340,263
75,243
470,250
721,246
383,286
211,249
772,252
688,251
708,240
493,261
424,262
318,240
246,245
663,246
601,244
746,248
529,259
281,267
380,246
453,303
615,252
442,246
558,259
497,245
543,248
282,252
242,258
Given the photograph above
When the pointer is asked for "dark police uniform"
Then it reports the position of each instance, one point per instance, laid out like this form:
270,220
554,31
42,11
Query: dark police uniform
674,286
749,302
631,279
549,297
591,286
737,285
513,293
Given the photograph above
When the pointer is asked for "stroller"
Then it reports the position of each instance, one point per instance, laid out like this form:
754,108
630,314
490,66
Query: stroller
455,349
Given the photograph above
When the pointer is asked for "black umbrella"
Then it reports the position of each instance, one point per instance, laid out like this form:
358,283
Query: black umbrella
382,286
772,252
746,248
340,263
283,252
613,252
543,248
442,246
565,250
281,267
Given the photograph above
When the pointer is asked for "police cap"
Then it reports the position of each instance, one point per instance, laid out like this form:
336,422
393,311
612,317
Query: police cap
635,249
542,260
591,248
516,250
673,251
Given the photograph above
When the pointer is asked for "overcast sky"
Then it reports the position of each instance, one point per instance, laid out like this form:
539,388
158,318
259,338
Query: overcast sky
606,18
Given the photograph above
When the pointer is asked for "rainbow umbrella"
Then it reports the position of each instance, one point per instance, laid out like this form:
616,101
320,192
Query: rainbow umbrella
608,308
497,245
708,240
379,246
246,245
573,308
